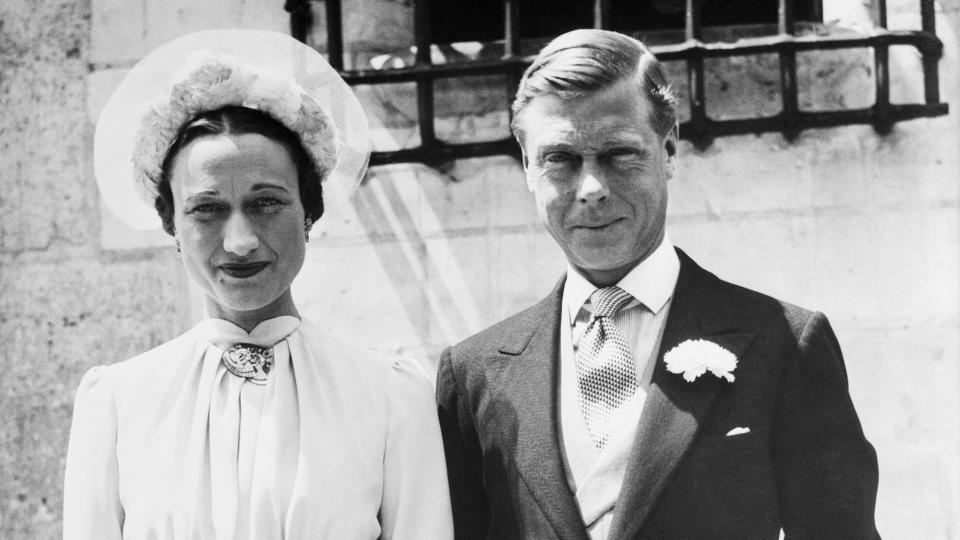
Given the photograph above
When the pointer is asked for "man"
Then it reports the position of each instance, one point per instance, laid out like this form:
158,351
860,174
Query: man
644,397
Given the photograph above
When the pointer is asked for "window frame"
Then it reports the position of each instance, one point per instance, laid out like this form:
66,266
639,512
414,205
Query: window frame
699,128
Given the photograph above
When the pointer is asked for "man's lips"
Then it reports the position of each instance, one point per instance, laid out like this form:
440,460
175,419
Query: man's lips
243,270
598,225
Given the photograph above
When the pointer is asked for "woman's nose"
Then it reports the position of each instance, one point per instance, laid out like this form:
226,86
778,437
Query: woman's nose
239,236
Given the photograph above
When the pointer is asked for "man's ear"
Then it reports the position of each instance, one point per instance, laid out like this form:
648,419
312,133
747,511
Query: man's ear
670,147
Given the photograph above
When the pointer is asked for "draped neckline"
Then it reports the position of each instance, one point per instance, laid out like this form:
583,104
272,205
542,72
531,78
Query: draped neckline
224,334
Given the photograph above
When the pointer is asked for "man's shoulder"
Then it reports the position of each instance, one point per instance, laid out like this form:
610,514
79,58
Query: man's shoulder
512,333
741,303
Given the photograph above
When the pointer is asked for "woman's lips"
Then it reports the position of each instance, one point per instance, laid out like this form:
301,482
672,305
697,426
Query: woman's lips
243,270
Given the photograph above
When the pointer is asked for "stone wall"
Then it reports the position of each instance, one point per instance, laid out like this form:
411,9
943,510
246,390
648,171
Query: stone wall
863,227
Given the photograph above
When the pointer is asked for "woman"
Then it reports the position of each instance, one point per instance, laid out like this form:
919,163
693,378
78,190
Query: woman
254,424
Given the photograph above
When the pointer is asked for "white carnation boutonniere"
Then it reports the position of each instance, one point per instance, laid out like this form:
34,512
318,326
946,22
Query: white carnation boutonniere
694,357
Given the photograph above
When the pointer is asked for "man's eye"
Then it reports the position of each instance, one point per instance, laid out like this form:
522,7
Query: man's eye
558,158
620,153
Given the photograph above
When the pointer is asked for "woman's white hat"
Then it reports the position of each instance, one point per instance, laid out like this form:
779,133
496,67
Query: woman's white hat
207,70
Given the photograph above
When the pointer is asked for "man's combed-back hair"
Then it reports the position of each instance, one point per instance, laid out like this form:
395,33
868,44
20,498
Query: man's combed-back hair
583,61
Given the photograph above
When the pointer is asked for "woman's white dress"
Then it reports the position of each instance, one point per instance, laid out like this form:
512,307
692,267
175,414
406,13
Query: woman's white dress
340,443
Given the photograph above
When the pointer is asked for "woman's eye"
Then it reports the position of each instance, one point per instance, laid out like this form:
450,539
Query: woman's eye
206,210
267,204
262,203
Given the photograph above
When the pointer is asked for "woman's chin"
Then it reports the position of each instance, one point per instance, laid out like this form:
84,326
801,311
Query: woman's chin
247,306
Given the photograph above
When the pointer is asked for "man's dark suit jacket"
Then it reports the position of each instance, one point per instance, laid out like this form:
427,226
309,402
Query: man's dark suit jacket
804,466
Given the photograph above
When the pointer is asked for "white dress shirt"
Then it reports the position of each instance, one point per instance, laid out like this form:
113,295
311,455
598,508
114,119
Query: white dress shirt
339,443
595,476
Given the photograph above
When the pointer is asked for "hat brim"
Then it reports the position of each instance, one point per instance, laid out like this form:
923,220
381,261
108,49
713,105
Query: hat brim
268,52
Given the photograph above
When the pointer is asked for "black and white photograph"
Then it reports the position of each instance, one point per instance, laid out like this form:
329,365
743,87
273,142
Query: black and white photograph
467,270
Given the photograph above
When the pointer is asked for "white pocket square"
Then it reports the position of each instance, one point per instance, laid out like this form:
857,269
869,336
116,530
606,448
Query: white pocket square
738,431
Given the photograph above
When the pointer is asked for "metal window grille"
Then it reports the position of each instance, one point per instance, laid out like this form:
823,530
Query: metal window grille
699,128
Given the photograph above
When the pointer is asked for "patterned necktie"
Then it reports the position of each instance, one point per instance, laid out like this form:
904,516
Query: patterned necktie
605,369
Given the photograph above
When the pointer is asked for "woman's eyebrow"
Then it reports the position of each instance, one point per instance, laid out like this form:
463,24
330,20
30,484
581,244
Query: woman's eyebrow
202,193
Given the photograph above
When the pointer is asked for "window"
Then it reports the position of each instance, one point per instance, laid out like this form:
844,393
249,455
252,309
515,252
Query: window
474,20
785,36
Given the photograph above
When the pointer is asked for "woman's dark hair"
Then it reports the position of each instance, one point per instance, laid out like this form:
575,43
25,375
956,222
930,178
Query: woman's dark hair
237,120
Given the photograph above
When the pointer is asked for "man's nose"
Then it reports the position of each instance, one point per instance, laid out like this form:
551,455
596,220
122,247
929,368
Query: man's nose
239,236
593,184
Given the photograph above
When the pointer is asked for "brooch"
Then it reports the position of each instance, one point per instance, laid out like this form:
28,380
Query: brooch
249,362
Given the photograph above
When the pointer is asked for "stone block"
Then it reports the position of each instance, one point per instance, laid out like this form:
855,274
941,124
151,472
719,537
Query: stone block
117,30
749,252
917,495
378,289
835,80
59,317
676,72
164,21
903,378
43,134
878,268
745,174
117,235
489,277
411,200
916,164
906,68
259,15
524,267
430,290
370,28
742,86
100,86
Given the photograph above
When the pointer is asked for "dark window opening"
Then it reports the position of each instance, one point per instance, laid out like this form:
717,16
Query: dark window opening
454,21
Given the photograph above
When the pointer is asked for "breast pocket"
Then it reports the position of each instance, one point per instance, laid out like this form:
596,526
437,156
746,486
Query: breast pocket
722,444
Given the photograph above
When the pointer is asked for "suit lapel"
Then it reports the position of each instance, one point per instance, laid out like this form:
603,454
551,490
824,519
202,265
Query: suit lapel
674,409
534,383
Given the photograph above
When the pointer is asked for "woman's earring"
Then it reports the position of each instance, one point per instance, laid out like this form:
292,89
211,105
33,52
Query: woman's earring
177,241
307,223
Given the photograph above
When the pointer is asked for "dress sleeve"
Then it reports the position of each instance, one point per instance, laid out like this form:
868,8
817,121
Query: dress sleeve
416,501
827,470
91,500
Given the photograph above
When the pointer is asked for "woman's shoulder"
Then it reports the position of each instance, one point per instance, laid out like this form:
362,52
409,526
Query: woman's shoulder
147,366
346,350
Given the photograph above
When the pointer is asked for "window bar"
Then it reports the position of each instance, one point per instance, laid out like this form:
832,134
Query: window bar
601,14
421,31
511,47
881,65
334,34
931,77
693,31
788,70
301,18
511,29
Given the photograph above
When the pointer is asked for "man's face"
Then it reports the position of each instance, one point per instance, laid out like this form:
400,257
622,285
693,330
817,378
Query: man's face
599,173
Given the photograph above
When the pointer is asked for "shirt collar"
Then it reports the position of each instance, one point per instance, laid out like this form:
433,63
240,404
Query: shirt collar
651,282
